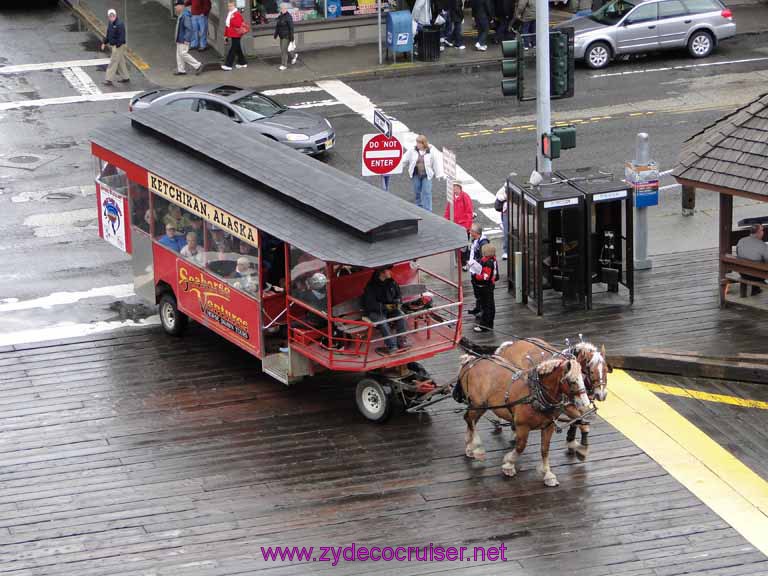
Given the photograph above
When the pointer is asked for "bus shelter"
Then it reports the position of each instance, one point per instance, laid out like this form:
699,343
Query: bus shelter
547,224
608,208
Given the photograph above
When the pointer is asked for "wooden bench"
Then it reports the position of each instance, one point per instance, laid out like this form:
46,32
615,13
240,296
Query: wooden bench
733,265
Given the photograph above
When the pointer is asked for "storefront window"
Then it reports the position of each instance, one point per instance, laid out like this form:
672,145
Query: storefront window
267,11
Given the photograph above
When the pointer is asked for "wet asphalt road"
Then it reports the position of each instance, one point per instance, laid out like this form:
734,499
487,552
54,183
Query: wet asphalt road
48,235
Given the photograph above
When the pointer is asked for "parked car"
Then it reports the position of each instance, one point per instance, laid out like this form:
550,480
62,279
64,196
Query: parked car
306,132
630,26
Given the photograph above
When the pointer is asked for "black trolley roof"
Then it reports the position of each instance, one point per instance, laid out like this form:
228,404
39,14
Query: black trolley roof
596,184
550,195
315,207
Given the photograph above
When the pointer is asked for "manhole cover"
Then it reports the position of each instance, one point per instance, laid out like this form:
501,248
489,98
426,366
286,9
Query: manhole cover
24,159
58,196
28,161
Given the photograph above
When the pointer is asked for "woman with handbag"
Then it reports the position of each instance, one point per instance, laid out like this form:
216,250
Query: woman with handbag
284,30
235,29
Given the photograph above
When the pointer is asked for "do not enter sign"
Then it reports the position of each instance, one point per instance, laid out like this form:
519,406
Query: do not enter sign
381,155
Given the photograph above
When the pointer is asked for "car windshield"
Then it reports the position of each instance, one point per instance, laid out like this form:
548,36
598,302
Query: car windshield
612,12
257,106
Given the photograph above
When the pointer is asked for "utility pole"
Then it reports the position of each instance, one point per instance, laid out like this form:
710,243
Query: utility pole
543,119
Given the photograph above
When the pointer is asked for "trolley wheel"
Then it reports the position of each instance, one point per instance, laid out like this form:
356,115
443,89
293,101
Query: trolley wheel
173,321
373,400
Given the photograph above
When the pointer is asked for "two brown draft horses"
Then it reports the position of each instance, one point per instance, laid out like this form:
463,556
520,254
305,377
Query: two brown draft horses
594,369
532,399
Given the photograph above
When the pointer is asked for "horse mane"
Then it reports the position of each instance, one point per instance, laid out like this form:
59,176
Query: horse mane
503,345
584,347
549,366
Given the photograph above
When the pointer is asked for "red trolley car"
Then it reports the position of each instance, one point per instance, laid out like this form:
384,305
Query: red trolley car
273,250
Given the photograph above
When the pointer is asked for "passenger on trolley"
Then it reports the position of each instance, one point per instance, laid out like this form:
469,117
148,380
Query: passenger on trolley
172,240
381,301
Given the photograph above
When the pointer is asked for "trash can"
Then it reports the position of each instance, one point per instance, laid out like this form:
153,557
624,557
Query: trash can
428,40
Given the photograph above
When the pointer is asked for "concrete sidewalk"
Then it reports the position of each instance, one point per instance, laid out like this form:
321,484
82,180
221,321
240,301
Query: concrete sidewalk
150,36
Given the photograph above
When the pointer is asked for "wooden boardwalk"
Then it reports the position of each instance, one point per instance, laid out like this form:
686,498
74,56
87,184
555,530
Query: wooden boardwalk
136,454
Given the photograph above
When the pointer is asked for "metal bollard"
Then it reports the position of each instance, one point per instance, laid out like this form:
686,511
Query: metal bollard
643,174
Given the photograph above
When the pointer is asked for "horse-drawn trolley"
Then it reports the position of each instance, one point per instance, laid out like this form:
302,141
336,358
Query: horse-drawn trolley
279,253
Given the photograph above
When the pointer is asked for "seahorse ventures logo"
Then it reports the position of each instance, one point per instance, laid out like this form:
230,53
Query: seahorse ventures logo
112,214
212,294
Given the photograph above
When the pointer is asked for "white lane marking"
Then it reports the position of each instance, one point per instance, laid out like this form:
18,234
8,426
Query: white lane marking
71,330
681,67
382,154
80,80
60,298
364,107
62,223
52,65
67,100
315,104
292,90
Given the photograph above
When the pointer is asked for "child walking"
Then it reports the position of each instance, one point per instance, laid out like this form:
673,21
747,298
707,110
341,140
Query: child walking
485,280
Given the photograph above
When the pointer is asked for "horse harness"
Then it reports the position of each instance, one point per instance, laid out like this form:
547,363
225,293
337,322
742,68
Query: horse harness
536,397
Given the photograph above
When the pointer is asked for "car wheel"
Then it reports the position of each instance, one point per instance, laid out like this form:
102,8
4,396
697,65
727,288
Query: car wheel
598,55
173,321
701,44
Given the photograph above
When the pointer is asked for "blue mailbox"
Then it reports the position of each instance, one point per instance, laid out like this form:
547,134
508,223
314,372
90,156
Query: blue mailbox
399,33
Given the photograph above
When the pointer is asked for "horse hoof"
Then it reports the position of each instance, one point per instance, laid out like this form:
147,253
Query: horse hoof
551,480
582,452
571,448
479,455
508,470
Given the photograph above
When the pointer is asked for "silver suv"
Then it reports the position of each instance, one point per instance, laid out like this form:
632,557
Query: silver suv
627,26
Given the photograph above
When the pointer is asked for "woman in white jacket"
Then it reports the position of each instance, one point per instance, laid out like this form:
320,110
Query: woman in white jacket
424,164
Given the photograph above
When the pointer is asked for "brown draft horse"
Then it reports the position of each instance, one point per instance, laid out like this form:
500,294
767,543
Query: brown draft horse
594,369
532,399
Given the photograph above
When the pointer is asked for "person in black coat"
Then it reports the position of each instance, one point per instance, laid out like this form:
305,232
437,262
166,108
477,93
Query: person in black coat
455,18
505,14
115,39
284,30
381,300
482,12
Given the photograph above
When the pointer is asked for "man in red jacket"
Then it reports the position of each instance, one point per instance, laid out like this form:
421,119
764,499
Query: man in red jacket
463,214
200,10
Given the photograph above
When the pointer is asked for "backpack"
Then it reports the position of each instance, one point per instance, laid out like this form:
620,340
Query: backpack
498,205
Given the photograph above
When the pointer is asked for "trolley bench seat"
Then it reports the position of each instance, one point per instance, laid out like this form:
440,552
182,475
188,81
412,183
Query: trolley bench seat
352,309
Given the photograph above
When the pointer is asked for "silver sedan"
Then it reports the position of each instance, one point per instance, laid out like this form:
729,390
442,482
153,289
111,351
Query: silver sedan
306,132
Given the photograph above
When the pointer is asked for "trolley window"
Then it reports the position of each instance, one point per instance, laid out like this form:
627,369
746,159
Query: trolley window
111,176
308,280
141,215
233,260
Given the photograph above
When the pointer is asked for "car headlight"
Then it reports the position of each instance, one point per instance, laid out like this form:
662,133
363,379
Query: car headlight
296,137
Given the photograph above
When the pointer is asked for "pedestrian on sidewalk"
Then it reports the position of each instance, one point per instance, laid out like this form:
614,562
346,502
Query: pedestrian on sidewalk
475,267
456,17
200,10
184,35
115,39
423,166
526,13
505,14
284,31
485,280
235,29
463,215
422,16
481,12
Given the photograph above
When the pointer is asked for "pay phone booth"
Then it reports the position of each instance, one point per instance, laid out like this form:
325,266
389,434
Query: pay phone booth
609,230
547,224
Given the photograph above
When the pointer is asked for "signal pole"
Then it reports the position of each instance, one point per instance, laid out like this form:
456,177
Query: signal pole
543,117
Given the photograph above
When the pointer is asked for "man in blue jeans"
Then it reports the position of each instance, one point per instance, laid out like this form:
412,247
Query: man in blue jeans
200,10
526,13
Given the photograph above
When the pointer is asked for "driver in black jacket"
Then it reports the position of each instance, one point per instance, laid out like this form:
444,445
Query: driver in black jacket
381,300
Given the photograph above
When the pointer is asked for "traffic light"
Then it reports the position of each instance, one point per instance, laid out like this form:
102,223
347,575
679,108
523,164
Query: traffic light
567,135
512,69
561,63
550,146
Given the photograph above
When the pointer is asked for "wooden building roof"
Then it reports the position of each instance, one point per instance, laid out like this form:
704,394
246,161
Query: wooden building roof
731,155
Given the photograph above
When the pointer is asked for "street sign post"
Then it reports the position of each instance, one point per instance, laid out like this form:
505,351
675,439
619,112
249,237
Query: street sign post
383,123
382,156
449,169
